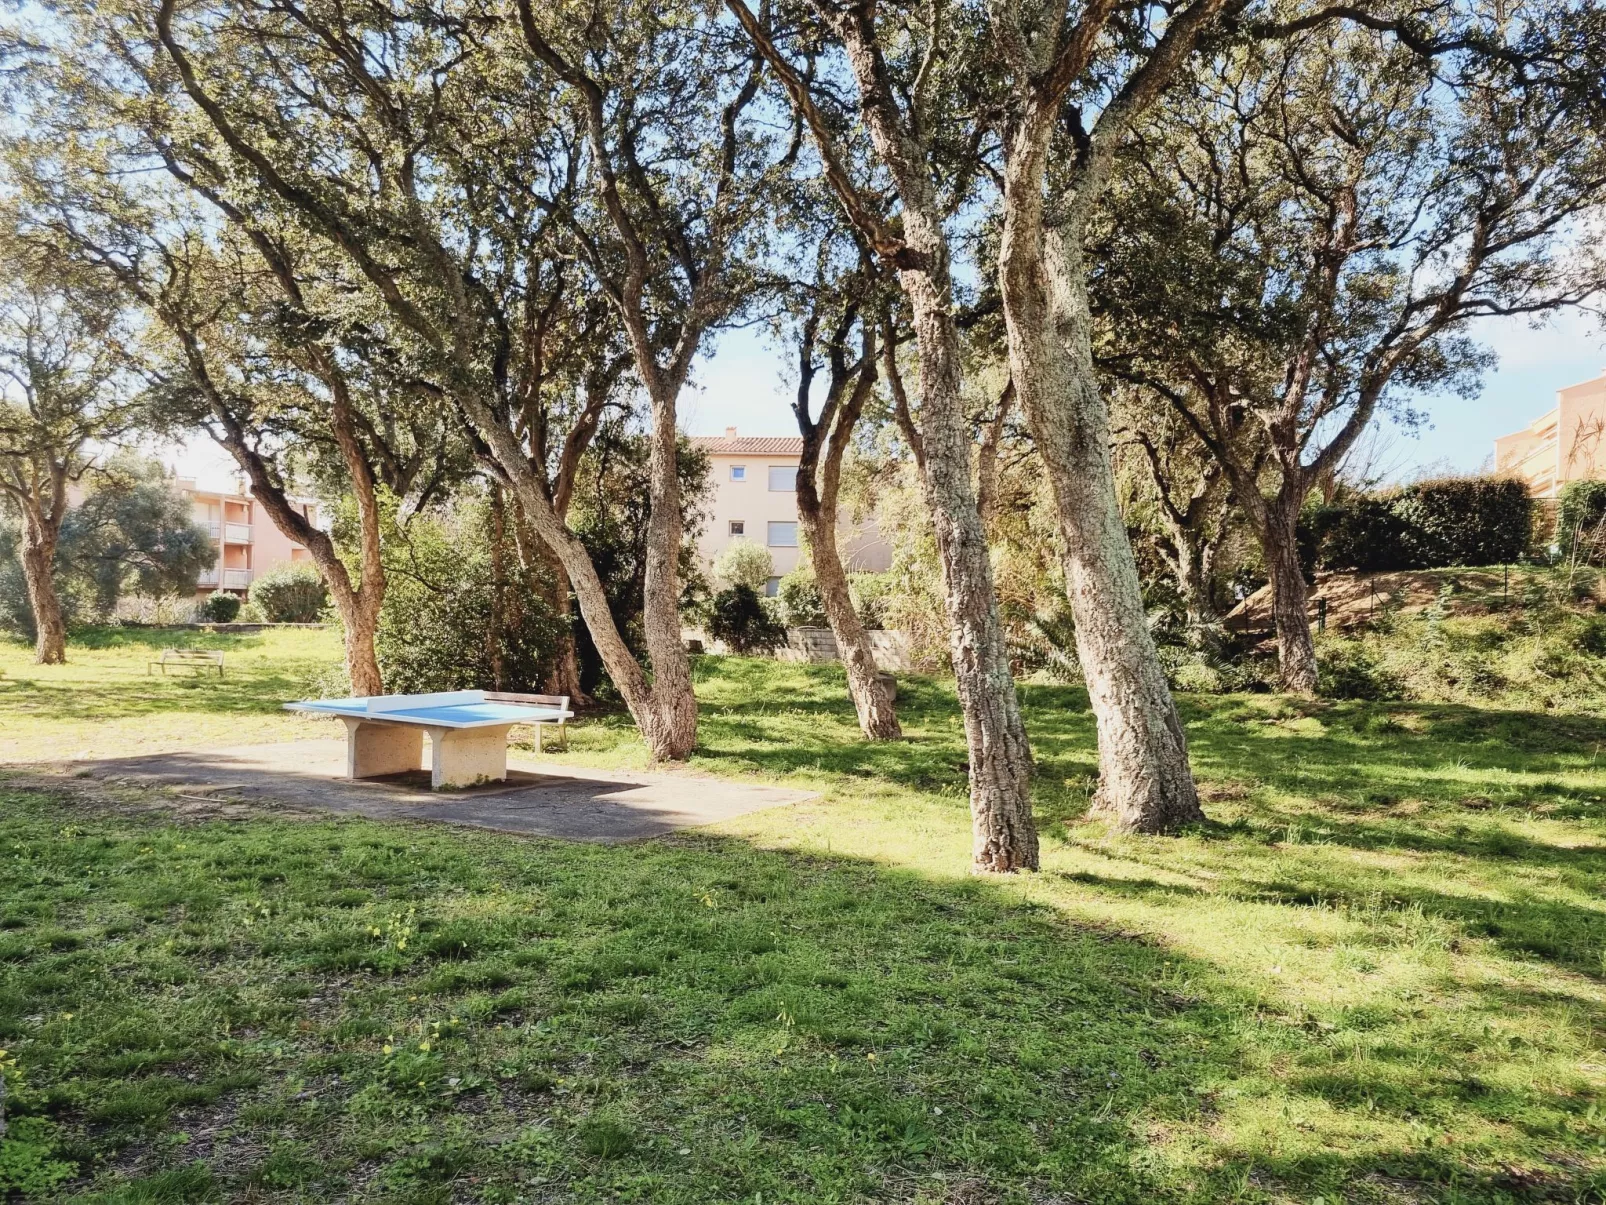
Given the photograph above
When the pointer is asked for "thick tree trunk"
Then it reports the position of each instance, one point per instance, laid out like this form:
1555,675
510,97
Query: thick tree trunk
1003,831
361,625
673,728
1144,779
38,571
873,692
1296,651
1004,834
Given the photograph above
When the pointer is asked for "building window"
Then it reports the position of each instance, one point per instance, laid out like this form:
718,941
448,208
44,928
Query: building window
738,472
738,527
783,535
772,587
783,478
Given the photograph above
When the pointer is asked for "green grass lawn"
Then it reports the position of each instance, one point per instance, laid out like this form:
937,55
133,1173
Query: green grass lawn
1377,975
109,701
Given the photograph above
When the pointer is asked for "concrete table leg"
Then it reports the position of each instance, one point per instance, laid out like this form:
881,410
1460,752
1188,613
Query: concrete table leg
462,757
376,749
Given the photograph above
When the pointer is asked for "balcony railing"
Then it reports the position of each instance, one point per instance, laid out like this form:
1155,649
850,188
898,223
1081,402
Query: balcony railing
236,579
215,528
208,577
236,533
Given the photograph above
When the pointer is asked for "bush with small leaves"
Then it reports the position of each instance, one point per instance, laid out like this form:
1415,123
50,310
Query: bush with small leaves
740,619
871,592
744,563
458,613
220,607
1428,525
293,593
1348,669
1581,522
800,600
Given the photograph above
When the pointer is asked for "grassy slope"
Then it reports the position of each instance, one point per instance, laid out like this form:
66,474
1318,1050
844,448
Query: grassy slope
1378,976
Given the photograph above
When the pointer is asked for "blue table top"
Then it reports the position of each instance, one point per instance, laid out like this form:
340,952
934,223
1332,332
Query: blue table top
459,715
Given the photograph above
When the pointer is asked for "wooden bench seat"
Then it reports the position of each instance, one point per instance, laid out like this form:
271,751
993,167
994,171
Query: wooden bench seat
561,702
198,660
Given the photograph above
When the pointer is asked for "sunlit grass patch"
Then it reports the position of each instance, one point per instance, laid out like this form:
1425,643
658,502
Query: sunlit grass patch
105,702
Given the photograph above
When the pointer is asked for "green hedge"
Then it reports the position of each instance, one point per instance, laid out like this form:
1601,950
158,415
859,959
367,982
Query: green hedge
1429,525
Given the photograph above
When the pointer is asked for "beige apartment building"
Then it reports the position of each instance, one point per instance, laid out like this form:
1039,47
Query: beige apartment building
1566,444
755,499
247,541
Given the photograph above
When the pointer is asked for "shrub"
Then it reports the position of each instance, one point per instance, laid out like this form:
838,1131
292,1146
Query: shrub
871,593
292,593
1347,669
744,563
220,607
1581,521
1362,533
1466,521
740,619
1202,672
801,603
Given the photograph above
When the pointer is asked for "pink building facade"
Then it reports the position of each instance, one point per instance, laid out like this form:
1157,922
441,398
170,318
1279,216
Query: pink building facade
1568,443
755,499
248,543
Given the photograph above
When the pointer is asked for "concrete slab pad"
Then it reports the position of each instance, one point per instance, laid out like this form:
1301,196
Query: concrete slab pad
538,799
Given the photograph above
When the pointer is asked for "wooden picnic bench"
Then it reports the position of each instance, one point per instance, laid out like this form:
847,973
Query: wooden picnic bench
561,702
198,660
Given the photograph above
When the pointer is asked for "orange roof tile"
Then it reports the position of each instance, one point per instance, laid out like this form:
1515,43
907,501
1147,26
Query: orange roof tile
750,445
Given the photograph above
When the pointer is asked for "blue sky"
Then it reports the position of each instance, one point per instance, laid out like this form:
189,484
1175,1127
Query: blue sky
744,383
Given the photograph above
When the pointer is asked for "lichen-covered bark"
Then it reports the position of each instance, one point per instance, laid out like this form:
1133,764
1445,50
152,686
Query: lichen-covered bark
38,563
1296,650
1003,831
671,730
1145,782
1004,834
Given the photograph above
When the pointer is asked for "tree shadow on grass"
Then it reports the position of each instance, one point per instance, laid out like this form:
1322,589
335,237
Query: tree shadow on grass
1390,749
1519,897
863,1027
1526,924
740,1021
745,726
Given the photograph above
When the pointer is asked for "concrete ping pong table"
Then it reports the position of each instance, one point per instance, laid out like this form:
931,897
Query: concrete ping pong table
467,731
